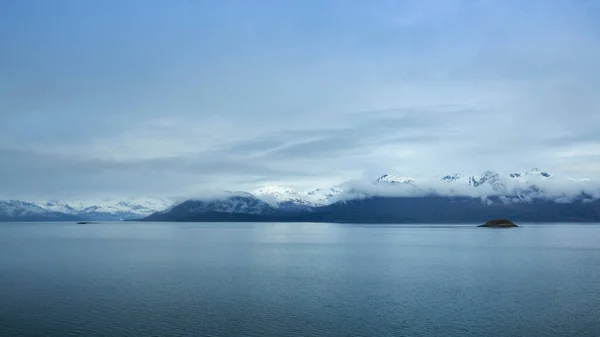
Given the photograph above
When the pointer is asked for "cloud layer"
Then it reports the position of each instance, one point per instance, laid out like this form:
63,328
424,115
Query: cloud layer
554,188
113,99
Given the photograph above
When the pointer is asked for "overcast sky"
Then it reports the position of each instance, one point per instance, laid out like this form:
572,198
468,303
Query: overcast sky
162,98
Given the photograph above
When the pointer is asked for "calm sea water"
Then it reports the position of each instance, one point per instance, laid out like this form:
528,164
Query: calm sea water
60,279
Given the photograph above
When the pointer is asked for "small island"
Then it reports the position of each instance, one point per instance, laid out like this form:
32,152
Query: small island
83,222
499,223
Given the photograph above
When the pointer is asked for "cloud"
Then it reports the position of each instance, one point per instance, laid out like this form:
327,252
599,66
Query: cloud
178,100
559,188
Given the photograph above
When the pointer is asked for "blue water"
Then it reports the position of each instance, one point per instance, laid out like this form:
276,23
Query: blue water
60,279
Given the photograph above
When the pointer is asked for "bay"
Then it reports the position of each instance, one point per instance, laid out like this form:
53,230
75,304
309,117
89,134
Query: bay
304,279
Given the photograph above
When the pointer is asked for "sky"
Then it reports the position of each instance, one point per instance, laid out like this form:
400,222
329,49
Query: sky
120,98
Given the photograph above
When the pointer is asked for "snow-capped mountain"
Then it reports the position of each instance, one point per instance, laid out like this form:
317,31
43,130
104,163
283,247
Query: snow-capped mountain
488,177
519,187
234,204
268,200
394,179
289,199
17,210
535,172
325,196
532,195
278,193
495,180
284,197
527,185
229,203
107,209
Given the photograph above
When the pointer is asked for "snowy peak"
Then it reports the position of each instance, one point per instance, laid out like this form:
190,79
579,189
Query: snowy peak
107,209
17,210
488,177
288,198
394,179
453,177
538,172
526,185
278,192
323,196
283,197
535,172
517,186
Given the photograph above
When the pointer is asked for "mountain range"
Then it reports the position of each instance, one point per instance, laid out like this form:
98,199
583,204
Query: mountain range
533,195
98,210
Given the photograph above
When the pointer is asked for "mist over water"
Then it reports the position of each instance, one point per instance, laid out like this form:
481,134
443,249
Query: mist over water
298,279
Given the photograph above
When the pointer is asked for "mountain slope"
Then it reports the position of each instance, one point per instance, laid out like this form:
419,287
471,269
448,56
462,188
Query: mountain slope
394,179
108,209
436,209
103,210
16,210
222,208
532,195
325,196
432,209
284,198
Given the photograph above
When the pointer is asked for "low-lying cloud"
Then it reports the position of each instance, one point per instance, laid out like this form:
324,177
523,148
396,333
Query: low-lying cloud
560,189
